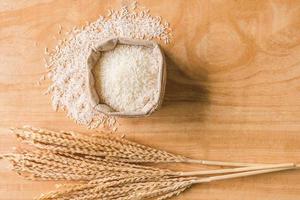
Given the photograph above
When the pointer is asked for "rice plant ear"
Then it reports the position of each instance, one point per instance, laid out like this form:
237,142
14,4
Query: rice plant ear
107,145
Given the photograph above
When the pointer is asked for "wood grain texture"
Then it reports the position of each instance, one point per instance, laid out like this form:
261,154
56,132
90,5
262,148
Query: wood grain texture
233,88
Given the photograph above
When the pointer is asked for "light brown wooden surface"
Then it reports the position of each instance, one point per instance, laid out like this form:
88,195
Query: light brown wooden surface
233,89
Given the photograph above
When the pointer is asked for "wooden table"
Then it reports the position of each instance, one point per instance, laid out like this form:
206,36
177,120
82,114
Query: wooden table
233,88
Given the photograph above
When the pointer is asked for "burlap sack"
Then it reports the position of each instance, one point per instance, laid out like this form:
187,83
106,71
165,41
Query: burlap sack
109,45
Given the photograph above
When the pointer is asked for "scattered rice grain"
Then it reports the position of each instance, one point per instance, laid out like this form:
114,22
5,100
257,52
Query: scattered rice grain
67,61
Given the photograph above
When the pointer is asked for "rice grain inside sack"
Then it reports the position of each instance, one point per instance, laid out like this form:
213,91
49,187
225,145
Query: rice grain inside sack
126,77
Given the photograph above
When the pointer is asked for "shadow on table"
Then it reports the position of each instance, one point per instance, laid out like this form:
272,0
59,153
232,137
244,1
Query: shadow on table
184,92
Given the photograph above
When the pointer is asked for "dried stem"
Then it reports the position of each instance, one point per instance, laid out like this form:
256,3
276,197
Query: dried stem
234,170
242,174
222,163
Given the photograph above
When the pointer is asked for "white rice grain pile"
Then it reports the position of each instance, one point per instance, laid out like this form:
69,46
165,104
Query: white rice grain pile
127,77
67,60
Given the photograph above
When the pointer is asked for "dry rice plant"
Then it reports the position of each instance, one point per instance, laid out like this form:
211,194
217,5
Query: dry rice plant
139,186
110,167
45,165
127,187
107,146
